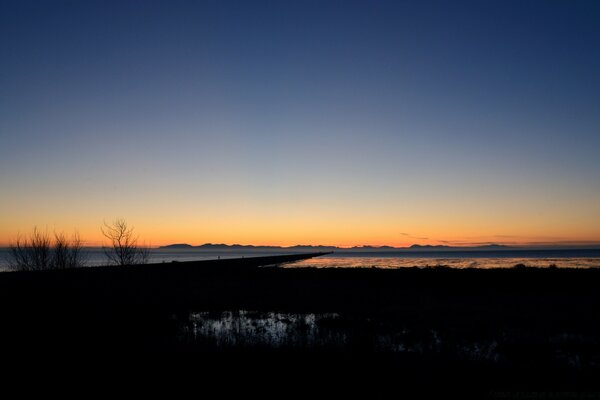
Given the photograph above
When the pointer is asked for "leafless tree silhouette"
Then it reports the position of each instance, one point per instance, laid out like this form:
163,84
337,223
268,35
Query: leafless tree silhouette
124,248
66,254
37,252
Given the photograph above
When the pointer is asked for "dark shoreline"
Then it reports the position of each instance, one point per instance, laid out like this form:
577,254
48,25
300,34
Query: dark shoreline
544,324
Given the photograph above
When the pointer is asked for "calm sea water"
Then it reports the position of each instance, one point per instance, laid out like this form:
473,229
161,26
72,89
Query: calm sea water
95,256
588,258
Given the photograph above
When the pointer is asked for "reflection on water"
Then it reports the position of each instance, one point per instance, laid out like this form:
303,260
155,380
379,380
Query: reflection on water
272,329
396,259
330,331
403,262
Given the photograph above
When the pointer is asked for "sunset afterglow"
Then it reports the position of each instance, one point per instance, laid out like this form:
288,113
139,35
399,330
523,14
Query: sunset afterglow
387,125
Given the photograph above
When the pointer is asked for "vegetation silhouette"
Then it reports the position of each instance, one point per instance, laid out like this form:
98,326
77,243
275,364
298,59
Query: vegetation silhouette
124,248
38,252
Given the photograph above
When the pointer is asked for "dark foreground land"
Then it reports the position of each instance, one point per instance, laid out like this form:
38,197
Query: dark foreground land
489,331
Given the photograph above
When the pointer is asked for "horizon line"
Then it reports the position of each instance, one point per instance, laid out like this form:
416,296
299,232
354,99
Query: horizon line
524,245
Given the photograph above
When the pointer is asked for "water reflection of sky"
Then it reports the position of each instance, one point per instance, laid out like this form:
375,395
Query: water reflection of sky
239,329
401,262
491,259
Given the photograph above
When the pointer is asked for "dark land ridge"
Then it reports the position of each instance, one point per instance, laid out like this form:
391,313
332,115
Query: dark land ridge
415,248
301,247
481,330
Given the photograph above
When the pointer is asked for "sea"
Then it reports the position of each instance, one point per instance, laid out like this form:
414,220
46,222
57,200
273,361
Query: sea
560,258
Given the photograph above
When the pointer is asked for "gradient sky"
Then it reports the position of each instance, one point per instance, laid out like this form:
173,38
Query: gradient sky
314,122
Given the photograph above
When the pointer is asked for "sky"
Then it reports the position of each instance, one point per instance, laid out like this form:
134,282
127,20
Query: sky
302,122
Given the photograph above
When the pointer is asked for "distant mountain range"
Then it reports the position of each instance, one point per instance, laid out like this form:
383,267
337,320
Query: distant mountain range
414,247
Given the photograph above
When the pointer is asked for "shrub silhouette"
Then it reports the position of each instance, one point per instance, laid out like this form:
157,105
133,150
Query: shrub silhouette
123,249
37,252
66,253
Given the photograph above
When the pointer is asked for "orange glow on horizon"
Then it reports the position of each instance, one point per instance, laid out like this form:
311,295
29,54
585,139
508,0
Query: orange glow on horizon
156,236
327,217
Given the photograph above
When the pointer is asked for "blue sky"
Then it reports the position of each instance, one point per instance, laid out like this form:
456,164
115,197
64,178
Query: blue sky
303,121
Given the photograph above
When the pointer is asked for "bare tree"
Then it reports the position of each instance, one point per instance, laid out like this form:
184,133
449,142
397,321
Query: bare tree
30,254
124,248
19,256
67,254
37,252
